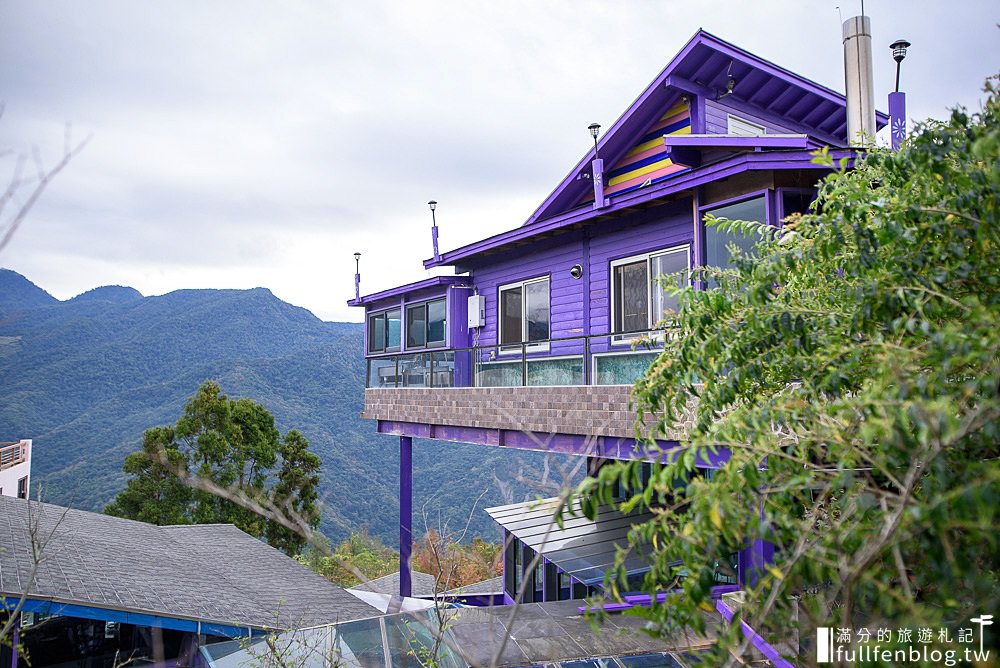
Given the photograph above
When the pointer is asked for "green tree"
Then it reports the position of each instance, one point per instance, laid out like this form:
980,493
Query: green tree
154,494
235,444
853,369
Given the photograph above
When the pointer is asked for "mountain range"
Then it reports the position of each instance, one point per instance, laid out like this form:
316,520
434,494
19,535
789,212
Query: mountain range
86,376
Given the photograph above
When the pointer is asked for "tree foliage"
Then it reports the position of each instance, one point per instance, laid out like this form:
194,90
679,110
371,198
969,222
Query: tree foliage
852,368
235,444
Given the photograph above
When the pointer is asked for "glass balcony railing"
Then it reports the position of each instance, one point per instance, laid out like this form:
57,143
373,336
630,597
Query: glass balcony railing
606,359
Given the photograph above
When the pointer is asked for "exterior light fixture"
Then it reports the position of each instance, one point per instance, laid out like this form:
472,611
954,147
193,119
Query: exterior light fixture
898,53
357,276
434,229
595,129
576,271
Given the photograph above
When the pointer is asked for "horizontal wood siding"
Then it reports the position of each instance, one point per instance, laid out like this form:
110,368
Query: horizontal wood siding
662,227
640,232
552,258
717,120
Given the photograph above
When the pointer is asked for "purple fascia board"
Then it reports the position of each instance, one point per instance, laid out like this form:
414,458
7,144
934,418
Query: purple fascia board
773,655
737,141
437,281
683,181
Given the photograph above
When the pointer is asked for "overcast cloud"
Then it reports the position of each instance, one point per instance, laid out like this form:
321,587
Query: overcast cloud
243,144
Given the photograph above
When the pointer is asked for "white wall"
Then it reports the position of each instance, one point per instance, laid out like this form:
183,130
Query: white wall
10,476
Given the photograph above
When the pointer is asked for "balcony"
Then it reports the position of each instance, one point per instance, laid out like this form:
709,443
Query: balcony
606,359
12,454
572,394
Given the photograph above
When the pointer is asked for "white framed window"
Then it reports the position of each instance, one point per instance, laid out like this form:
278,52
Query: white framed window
638,298
523,315
743,127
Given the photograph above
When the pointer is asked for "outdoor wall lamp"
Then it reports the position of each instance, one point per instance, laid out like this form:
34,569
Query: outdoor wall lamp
576,271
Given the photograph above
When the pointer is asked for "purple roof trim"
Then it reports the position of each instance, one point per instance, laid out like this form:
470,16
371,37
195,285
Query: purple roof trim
409,287
738,142
683,181
705,57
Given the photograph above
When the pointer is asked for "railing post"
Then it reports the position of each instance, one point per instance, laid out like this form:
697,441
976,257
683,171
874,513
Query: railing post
524,364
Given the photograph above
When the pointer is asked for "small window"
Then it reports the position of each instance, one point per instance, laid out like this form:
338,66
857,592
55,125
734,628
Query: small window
426,325
743,127
22,488
384,331
639,299
524,314
717,243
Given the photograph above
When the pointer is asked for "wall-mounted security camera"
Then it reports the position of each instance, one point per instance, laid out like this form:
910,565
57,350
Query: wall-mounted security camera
576,271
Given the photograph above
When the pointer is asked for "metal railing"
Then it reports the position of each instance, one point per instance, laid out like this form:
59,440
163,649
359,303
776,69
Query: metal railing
601,359
12,454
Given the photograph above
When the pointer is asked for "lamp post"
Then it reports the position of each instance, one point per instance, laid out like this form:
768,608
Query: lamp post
595,129
434,229
898,53
897,100
357,276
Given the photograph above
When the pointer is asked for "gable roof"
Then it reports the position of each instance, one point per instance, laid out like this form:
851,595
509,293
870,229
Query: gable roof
702,68
211,574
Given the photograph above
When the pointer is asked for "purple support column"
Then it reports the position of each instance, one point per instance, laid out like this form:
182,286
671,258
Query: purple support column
405,514
597,171
15,641
897,118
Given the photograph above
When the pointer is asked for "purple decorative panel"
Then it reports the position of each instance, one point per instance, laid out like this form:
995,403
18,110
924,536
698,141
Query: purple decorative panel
897,118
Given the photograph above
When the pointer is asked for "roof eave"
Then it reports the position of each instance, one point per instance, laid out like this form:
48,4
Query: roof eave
683,181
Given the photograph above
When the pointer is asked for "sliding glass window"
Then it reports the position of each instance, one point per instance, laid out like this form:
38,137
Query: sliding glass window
384,331
426,324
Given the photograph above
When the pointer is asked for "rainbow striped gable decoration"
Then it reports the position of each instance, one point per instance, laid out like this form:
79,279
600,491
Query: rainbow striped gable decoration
647,163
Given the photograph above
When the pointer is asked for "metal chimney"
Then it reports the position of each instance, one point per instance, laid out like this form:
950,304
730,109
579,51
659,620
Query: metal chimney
859,81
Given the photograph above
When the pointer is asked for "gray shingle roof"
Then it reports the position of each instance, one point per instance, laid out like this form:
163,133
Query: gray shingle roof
491,586
421,584
210,573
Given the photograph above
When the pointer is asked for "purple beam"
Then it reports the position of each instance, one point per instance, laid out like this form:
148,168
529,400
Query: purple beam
597,172
738,142
773,655
897,118
357,286
426,284
645,600
434,241
625,449
405,515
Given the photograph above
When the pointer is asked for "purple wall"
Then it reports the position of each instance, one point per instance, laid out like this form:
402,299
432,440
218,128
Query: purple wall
717,122
644,231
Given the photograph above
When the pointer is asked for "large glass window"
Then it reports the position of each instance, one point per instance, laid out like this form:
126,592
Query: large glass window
717,242
426,324
524,313
639,297
384,331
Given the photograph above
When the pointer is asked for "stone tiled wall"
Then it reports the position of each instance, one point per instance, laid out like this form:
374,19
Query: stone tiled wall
599,410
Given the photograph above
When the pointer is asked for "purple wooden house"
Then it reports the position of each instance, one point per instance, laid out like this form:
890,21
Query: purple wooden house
535,340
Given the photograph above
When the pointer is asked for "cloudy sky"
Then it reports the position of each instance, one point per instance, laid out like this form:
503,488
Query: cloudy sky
237,144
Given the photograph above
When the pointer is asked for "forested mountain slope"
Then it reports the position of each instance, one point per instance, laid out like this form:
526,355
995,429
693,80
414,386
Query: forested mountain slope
85,377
